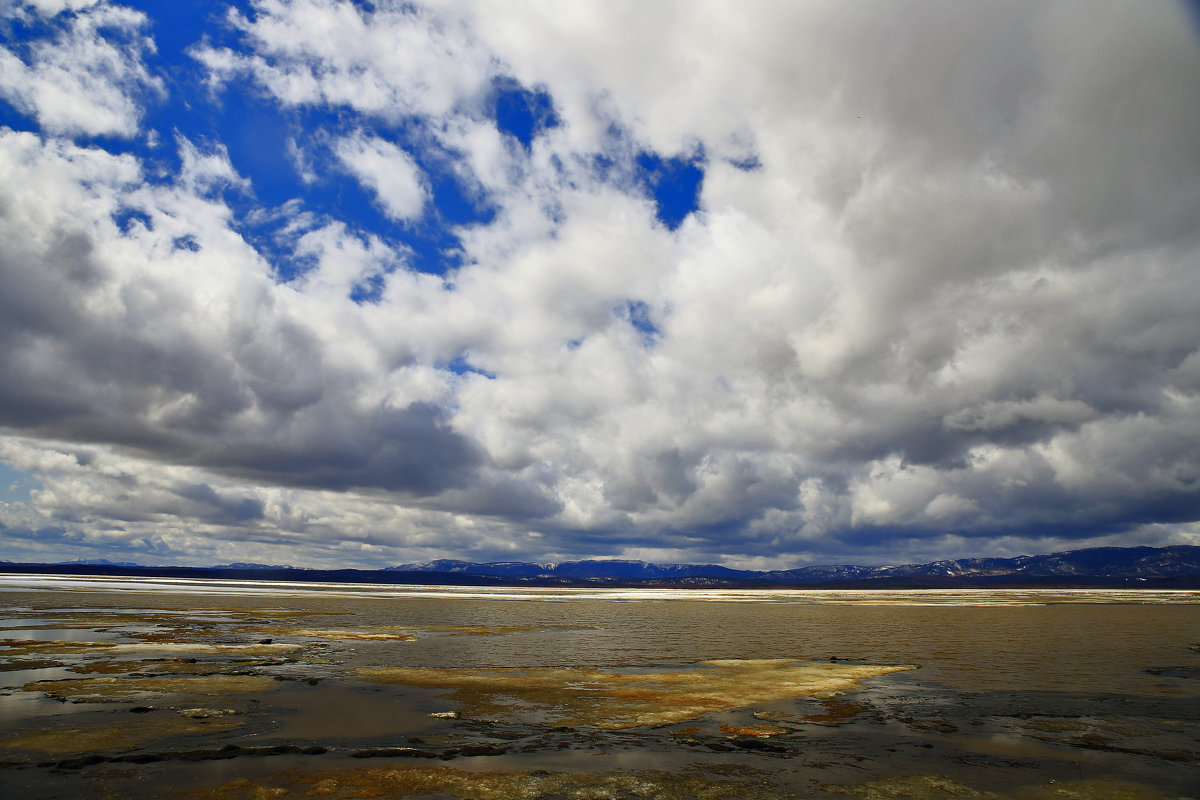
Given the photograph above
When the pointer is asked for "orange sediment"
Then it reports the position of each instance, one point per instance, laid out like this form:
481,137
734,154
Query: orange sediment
582,696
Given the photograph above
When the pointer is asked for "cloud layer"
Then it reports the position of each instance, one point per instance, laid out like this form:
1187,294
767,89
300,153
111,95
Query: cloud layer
934,293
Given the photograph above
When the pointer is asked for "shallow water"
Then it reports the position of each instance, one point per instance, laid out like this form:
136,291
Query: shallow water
295,690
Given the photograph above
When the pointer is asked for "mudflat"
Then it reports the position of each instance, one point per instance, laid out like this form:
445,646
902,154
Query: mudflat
128,689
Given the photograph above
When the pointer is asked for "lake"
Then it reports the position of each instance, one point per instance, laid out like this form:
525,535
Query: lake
120,688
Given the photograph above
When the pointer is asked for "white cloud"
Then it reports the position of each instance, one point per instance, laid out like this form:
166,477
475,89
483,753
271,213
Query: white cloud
392,62
49,8
91,78
154,513
388,171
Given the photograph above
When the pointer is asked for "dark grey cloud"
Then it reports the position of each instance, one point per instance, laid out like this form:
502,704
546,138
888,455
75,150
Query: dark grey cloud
408,450
232,509
95,357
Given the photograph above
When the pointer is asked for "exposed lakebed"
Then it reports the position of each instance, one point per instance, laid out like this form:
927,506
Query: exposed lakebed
219,691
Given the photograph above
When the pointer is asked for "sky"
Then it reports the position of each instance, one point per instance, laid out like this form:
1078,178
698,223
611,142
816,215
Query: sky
762,284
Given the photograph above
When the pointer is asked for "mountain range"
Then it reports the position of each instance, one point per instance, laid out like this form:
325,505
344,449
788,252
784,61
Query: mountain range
1149,567
1106,563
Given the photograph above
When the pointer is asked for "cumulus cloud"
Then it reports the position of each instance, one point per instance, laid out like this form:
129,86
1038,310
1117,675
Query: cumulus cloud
388,171
88,76
937,295
394,61
94,502
171,335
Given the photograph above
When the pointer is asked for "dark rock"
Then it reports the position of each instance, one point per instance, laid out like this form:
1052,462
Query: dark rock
1190,672
394,752
143,758
75,763
939,725
482,750
759,745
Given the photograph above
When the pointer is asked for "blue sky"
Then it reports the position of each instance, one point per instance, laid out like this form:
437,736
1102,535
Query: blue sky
339,284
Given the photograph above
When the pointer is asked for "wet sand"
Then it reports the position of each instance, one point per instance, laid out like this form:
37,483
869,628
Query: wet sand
136,691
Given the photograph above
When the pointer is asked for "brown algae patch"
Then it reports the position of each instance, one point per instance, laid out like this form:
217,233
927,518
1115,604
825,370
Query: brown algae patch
475,630
1093,789
115,690
912,787
398,632
14,666
25,647
697,782
12,649
935,787
836,712
381,635
1087,726
141,665
758,731
193,648
207,713
117,736
582,696
158,666
443,781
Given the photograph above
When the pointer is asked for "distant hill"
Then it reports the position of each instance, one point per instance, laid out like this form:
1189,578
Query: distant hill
581,570
1103,565
1100,567
101,562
